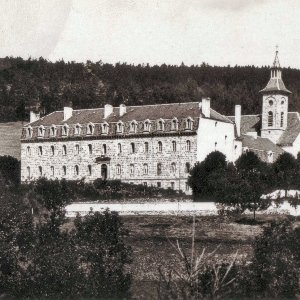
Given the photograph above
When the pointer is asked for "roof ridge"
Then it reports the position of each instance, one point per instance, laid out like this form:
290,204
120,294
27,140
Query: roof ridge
221,115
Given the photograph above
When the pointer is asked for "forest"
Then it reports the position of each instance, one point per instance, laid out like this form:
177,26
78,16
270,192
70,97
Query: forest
38,84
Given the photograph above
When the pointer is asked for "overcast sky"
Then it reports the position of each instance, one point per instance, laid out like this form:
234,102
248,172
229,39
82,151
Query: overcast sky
218,32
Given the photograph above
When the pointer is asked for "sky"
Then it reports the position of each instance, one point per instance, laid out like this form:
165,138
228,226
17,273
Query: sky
218,32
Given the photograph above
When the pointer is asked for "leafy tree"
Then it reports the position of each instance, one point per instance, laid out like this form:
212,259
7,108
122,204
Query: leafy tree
100,238
286,171
10,169
200,179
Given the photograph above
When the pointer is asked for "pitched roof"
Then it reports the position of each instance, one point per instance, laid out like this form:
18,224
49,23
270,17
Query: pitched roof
292,130
249,123
138,113
274,85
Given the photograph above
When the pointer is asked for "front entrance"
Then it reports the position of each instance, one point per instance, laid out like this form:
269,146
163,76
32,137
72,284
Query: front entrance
104,172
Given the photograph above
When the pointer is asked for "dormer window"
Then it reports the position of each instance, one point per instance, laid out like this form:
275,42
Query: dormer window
41,131
77,130
29,132
189,123
160,125
53,131
105,128
147,125
120,127
174,124
133,127
90,128
65,130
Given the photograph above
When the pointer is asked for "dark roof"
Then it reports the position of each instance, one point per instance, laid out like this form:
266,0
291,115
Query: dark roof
249,123
259,143
138,113
292,130
275,85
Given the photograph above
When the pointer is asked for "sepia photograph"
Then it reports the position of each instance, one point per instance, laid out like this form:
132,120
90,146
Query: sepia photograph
149,149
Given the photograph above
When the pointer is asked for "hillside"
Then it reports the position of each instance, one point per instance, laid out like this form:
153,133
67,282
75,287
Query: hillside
10,139
46,86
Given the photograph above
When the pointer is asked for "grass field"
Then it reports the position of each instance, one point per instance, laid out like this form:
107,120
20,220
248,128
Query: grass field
151,237
10,134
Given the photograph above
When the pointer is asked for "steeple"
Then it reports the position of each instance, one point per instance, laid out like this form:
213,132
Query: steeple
275,83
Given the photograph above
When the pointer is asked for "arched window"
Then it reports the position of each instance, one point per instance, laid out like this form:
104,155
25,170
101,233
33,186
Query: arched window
28,151
146,147
52,171
29,132
132,146
76,149
160,125
52,149
147,125
118,169
76,170
40,150
119,148
89,170
64,170
28,172
188,145
189,124
173,168
159,169
90,149
104,149
174,146
145,168
41,131
53,131
105,127
77,129
133,126
174,124
65,130
90,128
270,119
40,171
120,127
64,150
159,146
131,169
281,119
187,167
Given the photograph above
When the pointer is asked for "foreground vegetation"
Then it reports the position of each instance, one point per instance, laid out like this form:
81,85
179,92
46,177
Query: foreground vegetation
105,256
31,83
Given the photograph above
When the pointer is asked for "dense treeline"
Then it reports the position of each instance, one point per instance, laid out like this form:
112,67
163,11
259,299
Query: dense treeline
47,86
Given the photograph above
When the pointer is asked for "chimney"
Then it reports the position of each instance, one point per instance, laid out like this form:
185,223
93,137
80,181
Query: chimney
237,119
68,111
122,110
108,109
206,107
34,116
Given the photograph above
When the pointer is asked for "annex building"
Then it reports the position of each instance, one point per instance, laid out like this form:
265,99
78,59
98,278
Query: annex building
155,144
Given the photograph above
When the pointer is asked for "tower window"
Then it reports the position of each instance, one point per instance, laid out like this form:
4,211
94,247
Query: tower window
28,151
104,149
77,149
132,147
40,171
40,150
131,169
188,145
270,119
52,171
64,150
146,147
28,172
187,167
118,169
90,149
271,102
90,129
281,119
89,170
119,148
52,150
64,170
145,169
173,168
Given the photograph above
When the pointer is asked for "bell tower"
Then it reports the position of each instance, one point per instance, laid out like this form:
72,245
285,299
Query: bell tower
275,104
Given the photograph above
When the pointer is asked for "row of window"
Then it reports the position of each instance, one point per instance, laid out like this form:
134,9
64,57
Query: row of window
271,119
133,148
172,185
159,168
90,128
118,169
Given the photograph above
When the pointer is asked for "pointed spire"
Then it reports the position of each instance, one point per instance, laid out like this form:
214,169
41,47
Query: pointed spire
276,63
